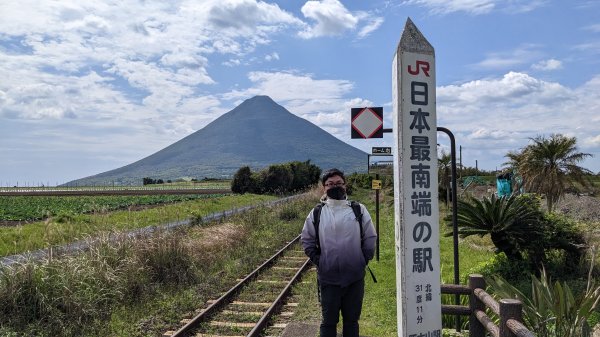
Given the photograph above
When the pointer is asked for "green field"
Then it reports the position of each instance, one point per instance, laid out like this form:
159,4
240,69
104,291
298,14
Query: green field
28,208
76,218
209,184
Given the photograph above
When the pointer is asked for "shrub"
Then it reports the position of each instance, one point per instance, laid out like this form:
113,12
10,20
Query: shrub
552,310
242,181
500,265
276,179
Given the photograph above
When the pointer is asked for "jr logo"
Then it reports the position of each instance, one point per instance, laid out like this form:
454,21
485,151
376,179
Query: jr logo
421,65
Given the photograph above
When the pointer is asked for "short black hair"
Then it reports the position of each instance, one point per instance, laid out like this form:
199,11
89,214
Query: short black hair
330,173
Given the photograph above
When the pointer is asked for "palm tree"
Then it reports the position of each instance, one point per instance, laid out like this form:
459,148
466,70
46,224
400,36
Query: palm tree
549,166
510,221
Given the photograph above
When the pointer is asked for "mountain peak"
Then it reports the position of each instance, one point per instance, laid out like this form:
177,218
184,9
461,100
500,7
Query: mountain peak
257,133
259,99
260,105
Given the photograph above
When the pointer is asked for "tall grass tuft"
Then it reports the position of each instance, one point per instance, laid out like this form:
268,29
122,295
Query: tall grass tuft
167,258
289,212
61,295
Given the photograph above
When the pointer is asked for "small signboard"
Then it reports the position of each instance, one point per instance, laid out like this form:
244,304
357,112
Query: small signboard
385,151
366,123
376,184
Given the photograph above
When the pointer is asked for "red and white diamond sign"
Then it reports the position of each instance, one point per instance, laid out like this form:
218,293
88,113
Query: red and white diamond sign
367,122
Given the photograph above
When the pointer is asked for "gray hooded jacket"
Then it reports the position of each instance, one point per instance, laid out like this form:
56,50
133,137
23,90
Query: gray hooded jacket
341,260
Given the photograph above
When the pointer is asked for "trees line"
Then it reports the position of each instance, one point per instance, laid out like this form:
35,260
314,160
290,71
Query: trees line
277,179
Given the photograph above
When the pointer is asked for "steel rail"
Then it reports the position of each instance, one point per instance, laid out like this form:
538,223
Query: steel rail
264,320
227,297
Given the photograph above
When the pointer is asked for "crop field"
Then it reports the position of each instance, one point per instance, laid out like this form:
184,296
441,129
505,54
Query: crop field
205,187
213,184
29,208
66,220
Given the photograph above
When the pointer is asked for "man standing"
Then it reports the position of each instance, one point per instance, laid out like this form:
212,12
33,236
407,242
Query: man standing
340,247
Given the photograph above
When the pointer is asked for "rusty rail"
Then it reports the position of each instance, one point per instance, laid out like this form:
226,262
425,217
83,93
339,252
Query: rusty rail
509,310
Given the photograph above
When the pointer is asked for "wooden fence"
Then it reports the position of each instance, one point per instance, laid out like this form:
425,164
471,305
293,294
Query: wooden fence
509,310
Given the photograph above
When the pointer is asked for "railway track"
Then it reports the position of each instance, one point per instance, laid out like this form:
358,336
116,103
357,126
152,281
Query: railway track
251,306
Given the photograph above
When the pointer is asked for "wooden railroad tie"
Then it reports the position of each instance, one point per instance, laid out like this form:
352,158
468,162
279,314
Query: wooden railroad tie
260,304
233,324
295,258
272,281
232,312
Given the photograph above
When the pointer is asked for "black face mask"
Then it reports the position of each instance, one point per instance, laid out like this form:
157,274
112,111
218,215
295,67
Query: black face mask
337,193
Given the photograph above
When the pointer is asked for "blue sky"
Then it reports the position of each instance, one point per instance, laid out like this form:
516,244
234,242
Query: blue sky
86,87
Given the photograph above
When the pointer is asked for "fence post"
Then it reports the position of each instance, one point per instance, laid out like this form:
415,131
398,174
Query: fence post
476,329
509,309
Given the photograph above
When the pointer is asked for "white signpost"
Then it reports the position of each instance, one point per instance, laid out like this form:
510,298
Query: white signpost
415,187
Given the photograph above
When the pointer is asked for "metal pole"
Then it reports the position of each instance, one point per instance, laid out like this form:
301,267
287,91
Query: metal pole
454,216
377,217
460,160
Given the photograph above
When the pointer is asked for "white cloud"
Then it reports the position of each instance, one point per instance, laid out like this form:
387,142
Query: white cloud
289,86
477,7
512,89
145,55
594,28
450,6
589,47
272,57
370,27
510,59
493,116
243,15
232,62
547,65
482,133
593,141
331,17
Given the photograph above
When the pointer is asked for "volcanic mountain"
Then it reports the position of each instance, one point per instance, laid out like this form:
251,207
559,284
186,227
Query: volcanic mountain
257,133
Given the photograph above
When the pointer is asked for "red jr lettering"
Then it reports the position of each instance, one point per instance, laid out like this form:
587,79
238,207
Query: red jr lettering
421,65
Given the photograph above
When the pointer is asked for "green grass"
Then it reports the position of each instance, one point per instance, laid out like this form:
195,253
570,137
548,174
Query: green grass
67,228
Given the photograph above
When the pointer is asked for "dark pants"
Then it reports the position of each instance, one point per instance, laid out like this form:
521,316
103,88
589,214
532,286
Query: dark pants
348,300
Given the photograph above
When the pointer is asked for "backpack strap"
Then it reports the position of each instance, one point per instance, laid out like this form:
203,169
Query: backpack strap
316,222
359,217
